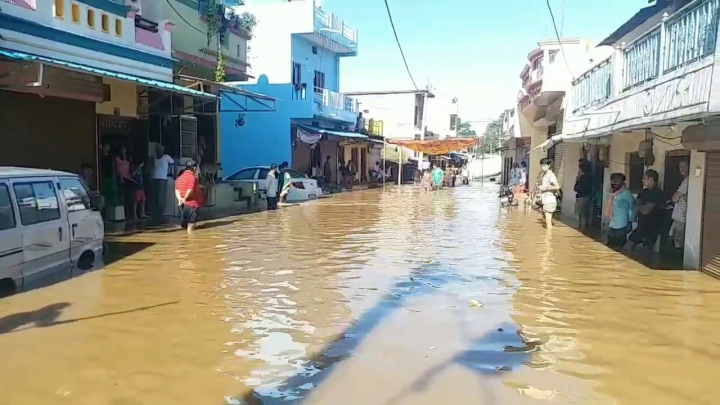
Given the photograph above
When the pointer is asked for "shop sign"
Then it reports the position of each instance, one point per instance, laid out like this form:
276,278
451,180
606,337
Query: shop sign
115,125
47,80
671,99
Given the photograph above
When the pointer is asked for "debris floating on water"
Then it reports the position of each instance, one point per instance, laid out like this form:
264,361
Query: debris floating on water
476,304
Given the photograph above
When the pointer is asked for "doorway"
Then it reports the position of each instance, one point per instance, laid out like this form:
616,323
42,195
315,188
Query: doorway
672,181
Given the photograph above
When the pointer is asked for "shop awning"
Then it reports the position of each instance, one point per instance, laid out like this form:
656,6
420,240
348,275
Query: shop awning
438,146
157,84
549,143
238,99
342,134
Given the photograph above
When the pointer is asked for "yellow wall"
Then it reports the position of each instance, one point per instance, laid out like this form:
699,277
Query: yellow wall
123,96
348,155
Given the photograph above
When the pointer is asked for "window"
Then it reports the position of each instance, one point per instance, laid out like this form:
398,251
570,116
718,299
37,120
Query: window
105,23
237,53
454,122
75,11
263,173
247,174
297,73
91,18
552,56
75,193
635,172
7,212
319,81
295,175
118,27
60,8
37,202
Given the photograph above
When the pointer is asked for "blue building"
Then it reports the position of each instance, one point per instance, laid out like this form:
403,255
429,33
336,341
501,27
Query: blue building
294,56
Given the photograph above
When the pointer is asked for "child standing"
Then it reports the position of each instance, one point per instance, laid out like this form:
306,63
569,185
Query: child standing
139,196
426,181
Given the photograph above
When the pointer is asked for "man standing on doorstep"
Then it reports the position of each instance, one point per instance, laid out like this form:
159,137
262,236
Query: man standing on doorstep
189,196
620,211
159,180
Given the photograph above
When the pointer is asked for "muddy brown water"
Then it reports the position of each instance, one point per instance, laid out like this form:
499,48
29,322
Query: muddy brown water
366,299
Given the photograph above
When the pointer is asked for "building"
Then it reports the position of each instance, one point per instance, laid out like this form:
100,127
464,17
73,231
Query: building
653,104
546,80
296,52
514,147
77,74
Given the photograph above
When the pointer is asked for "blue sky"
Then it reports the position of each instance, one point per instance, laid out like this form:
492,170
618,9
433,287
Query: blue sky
471,49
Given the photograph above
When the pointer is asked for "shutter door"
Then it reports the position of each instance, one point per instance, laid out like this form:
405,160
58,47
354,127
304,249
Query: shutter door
559,165
710,251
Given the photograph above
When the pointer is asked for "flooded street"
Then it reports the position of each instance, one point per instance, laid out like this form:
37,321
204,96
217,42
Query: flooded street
379,298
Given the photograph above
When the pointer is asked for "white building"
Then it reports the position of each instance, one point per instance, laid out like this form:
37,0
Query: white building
654,104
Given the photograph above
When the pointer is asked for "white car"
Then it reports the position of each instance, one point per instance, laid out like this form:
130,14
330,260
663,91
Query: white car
302,188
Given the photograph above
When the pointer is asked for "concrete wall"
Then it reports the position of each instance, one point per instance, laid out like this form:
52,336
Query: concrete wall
570,172
123,97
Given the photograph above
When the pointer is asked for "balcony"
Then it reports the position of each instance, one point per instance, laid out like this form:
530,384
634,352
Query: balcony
334,34
663,75
335,106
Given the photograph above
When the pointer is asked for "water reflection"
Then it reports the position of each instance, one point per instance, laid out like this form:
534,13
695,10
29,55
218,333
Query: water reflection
365,299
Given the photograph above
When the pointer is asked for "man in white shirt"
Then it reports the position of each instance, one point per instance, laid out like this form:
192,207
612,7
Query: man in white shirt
679,213
272,188
547,187
159,179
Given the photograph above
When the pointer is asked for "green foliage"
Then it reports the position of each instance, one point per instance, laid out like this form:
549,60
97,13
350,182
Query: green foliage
465,130
493,134
220,67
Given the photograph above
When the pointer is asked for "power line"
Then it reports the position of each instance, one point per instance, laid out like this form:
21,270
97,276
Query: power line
557,35
387,7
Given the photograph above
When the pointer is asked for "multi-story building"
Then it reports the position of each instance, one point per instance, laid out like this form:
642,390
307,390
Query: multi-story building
77,74
653,104
546,79
295,57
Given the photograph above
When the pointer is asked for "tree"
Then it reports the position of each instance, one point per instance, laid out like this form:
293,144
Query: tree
493,134
465,130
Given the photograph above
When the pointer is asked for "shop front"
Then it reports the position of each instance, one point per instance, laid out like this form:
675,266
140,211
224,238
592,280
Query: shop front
47,119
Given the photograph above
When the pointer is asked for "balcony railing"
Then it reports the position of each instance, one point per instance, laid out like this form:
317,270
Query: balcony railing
683,38
331,99
594,86
331,22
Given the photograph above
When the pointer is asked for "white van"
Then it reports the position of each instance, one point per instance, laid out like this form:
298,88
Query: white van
48,227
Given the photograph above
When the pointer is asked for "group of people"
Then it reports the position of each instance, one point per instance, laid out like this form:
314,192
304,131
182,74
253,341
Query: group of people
435,178
278,185
623,209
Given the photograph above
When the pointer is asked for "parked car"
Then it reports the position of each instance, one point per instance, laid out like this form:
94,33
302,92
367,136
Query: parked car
302,188
48,226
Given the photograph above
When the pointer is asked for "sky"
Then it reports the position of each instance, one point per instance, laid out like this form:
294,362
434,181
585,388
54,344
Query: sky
470,49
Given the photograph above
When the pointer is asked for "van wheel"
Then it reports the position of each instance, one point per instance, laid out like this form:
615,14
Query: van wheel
86,262
7,287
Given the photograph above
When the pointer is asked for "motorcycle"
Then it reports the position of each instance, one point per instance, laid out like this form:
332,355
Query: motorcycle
506,196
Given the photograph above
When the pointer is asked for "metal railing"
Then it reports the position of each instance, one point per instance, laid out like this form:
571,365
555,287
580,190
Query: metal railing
642,59
334,23
329,98
690,34
594,86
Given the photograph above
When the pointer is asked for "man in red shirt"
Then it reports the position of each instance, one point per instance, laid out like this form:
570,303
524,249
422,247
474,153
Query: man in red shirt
189,196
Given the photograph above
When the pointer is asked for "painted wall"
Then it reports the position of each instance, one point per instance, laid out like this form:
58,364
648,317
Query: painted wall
271,44
324,61
189,40
123,97
571,155
265,137
35,31
396,111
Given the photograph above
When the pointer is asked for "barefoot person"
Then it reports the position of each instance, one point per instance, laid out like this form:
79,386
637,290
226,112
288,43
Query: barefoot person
189,196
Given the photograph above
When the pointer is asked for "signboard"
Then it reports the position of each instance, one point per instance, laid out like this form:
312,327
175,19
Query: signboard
684,95
41,79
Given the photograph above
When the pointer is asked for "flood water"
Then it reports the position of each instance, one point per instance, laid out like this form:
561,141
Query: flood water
386,298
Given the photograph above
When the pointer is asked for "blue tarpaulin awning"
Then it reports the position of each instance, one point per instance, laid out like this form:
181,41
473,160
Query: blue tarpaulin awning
343,134
157,84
